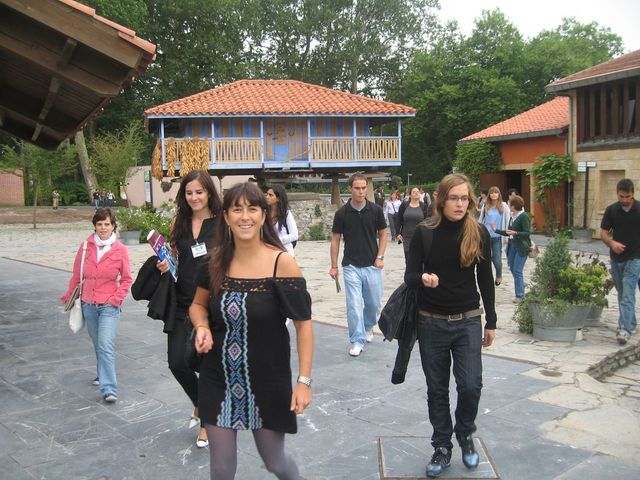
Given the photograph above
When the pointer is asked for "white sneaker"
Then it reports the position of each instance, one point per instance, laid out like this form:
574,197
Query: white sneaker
355,350
370,336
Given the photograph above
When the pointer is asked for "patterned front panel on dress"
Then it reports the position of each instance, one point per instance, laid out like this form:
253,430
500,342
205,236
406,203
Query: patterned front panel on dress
238,409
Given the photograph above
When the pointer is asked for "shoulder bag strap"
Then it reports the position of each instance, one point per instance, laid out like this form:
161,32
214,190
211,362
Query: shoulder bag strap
84,254
275,265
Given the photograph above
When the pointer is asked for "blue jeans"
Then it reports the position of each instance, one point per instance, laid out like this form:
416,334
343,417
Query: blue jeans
516,265
102,325
625,276
496,255
439,341
363,288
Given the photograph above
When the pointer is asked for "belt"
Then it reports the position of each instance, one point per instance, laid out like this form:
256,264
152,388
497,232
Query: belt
453,317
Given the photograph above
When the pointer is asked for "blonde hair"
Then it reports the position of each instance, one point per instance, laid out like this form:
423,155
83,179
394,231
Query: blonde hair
471,245
499,202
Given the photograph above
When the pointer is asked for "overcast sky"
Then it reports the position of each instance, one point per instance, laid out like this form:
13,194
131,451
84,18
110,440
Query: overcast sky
530,17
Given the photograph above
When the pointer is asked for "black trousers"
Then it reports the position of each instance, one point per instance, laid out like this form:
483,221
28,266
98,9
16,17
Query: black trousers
176,346
441,341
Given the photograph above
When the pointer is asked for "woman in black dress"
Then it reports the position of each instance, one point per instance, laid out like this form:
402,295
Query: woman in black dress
239,312
192,233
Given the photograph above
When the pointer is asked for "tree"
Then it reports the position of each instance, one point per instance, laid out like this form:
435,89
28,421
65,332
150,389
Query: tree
41,168
113,153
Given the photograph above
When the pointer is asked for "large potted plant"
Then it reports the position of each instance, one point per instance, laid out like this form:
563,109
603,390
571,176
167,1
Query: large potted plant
135,223
562,294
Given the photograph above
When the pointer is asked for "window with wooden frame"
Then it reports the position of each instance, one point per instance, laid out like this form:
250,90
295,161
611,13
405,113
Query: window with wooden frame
609,114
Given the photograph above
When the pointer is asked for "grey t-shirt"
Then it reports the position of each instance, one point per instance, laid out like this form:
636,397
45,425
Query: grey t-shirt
412,216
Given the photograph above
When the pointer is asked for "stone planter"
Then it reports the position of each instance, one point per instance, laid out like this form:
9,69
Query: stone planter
593,318
582,235
130,237
552,327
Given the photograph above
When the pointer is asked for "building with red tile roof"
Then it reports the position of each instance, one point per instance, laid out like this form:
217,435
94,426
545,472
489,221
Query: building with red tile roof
271,127
550,118
277,97
604,132
521,140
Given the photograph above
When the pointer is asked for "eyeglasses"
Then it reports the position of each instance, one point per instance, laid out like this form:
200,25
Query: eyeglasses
458,198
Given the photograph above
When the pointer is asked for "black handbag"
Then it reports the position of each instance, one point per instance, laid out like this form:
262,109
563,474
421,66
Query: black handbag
399,313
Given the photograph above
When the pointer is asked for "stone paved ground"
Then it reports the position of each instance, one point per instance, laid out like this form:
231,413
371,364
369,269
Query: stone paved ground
542,415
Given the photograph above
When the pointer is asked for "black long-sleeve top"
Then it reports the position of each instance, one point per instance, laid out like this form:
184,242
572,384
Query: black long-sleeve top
456,291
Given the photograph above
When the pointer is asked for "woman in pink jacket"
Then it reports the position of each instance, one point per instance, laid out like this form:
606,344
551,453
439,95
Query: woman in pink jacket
107,278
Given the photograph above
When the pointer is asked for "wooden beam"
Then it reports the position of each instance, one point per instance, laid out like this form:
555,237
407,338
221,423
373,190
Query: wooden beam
81,26
36,132
18,118
13,100
67,52
44,59
54,87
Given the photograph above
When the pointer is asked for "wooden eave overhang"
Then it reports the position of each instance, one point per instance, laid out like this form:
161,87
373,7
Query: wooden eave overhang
60,65
519,136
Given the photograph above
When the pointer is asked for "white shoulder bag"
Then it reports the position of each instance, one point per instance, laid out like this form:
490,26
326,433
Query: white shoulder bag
76,319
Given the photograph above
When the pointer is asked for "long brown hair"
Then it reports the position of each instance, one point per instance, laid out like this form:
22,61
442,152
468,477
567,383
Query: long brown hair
471,246
499,202
224,245
184,213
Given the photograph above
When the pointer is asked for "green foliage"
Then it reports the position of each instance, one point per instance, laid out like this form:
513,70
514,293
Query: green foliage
558,282
317,211
112,154
42,169
552,171
474,158
144,219
73,193
316,231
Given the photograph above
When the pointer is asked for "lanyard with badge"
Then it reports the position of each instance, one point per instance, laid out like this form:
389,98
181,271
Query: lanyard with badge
199,249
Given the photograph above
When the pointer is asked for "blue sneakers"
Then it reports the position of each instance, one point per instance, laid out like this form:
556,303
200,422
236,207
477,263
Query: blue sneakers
440,461
470,456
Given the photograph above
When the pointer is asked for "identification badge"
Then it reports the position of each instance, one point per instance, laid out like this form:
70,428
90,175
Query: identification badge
198,250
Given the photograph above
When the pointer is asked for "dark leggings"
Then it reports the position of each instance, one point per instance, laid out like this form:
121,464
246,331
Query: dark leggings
224,453
177,340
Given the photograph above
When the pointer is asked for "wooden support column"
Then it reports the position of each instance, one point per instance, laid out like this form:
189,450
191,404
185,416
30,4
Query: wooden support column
335,192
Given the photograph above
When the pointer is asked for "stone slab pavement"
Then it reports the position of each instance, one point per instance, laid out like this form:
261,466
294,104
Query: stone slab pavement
541,414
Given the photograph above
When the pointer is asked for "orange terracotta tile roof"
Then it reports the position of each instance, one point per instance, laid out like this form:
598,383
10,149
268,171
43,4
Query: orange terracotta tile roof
545,119
624,66
277,97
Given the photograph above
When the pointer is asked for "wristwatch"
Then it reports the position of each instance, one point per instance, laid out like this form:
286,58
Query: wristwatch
305,380
380,257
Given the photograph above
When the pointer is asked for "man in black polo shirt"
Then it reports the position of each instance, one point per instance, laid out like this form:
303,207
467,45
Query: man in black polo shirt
620,230
364,229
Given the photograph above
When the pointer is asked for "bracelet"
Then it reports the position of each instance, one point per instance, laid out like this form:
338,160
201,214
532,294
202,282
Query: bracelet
305,380
201,326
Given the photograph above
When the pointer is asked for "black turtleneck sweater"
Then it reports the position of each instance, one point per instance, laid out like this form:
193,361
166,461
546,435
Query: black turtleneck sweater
456,291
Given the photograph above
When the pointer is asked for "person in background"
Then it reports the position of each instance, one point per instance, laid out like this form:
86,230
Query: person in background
111,198
495,214
105,284
281,217
379,196
96,199
426,198
362,225
391,208
483,199
239,313
518,231
410,214
449,259
620,231
193,231
55,199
